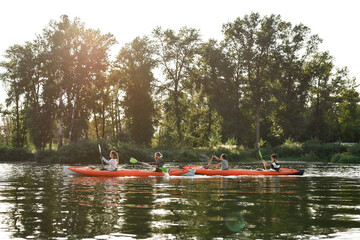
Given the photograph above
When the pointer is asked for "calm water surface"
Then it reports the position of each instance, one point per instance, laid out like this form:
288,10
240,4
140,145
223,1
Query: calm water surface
41,202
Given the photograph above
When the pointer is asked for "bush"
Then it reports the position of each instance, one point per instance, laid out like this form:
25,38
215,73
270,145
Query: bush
15,155
82,152
312,157
355,149
345,158
45,156
290,149
324,151
231,142
127,151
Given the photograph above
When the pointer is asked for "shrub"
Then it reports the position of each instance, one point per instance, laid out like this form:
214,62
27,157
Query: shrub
45,156
325,150
231,142
15,155
312,157
127,151
290,149
345,158
355,149
84,152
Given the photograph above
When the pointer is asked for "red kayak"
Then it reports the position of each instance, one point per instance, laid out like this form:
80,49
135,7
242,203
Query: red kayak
233,172
181,172
92,172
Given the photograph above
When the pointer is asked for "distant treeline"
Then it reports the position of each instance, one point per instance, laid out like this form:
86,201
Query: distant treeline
86,152
265,82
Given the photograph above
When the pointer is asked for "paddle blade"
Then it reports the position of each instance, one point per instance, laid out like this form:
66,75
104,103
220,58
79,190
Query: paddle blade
133,160
260,154
99,149
163,169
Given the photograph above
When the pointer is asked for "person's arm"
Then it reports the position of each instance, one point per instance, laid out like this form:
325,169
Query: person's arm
216,157
266,165
214,165
104,159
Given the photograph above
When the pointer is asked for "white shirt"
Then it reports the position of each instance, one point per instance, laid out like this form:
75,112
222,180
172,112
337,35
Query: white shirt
112,163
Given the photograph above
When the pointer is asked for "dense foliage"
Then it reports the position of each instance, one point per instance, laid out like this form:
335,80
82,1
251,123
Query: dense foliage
266,82
86,152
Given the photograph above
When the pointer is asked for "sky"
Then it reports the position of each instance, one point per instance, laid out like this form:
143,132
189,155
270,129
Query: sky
336,22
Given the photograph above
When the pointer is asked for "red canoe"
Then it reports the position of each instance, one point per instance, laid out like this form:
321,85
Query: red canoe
211,172
92,172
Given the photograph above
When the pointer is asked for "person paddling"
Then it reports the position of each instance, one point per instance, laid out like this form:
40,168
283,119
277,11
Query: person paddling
113,162
159,162
223,162
274,166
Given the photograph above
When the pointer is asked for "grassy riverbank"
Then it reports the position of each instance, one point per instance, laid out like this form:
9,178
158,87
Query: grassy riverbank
86,152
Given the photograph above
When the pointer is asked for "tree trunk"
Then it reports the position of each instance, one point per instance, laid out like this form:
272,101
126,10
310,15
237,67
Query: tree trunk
17,143
60,141
103,120
117,117
258,127
113,127
73,117
317,120
96,127
177,113
210,124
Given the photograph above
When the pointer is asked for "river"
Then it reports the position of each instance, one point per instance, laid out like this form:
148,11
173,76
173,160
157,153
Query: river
41,202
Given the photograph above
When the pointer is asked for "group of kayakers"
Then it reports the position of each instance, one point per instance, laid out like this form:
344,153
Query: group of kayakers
223,162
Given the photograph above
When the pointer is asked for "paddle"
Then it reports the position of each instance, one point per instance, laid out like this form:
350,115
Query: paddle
133,160
262,158
212,157
102,164
260,154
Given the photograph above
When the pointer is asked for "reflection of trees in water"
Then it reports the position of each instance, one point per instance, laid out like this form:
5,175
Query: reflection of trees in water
44,207
137,206
36,202
265,207
45,204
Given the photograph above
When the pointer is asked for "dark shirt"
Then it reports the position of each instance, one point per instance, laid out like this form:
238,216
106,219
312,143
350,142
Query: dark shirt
158,163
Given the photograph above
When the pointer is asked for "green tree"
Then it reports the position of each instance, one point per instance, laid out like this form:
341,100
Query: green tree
17,72
214,88
79,59
319,68
345,110
176,55
250,42
134,65
289,83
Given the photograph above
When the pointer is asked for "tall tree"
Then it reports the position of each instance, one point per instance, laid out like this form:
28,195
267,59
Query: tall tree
345,109
214,90
81,58
250,42
320,71
134,66
289,84
17,71
176,54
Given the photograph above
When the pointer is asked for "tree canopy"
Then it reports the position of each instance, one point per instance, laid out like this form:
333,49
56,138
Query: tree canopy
265,81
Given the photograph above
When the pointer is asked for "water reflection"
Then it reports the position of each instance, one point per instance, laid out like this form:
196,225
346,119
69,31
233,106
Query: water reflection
42,202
